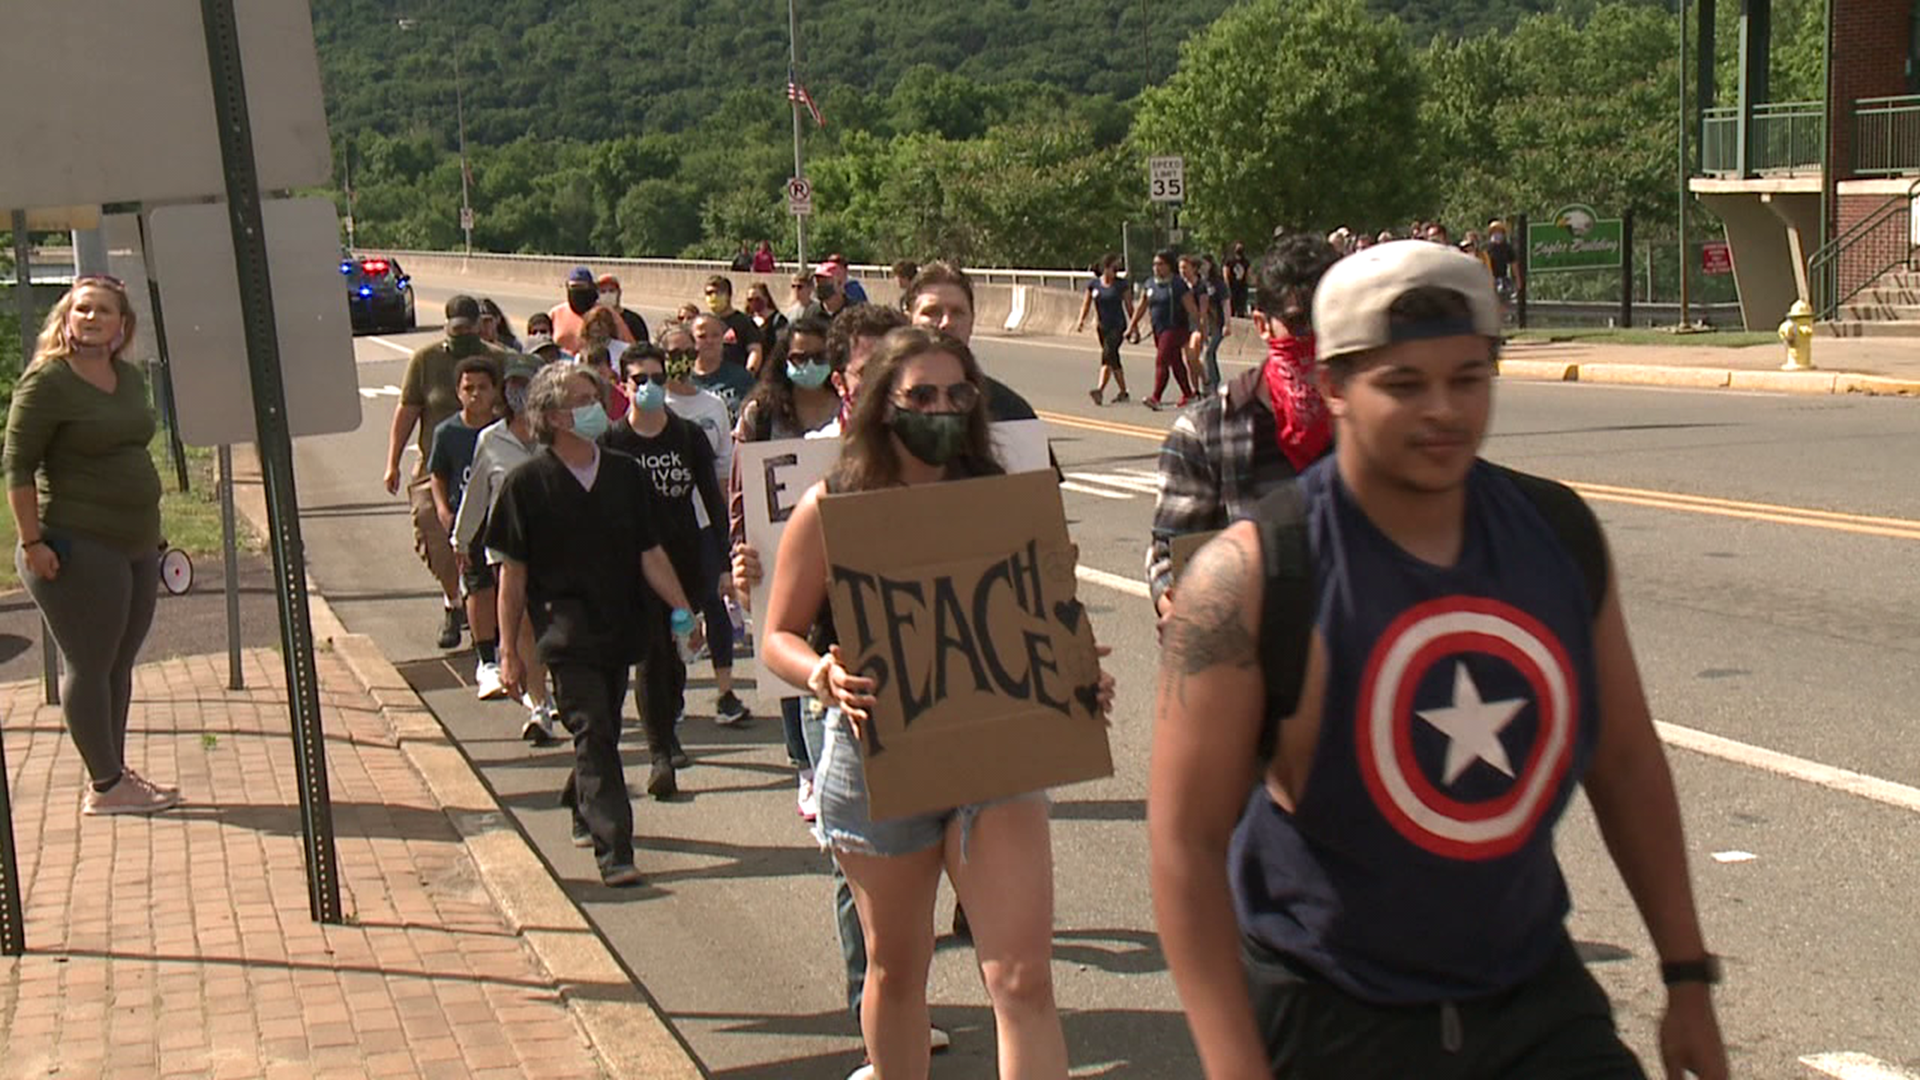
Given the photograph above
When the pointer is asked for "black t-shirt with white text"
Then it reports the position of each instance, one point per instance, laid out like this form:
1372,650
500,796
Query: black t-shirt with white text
678,464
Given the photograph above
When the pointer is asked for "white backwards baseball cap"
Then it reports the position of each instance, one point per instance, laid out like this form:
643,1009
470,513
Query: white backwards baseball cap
1350,305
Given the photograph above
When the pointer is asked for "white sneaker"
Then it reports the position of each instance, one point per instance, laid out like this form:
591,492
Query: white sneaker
538,729
131,795
486,682
938,1041
808,802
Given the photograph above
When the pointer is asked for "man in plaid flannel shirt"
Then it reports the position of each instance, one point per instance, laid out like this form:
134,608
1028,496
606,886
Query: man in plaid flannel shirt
1255,432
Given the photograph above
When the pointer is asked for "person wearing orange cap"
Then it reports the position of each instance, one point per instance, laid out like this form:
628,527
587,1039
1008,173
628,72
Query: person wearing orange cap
610,298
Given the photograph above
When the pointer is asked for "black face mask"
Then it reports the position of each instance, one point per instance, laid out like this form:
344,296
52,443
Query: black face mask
824,291
935,438
581,300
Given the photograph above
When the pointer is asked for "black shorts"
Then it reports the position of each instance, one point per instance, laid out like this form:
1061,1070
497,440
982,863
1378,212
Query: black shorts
1557,1025
479,577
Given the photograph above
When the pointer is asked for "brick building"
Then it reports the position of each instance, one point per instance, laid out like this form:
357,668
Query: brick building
1817,196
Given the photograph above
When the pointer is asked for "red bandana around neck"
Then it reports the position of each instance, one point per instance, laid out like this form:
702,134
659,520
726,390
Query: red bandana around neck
1300,416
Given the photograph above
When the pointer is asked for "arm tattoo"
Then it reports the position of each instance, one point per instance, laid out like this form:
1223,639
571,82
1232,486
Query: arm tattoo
1206,630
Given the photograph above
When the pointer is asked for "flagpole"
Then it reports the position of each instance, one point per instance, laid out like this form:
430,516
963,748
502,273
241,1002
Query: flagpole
793,100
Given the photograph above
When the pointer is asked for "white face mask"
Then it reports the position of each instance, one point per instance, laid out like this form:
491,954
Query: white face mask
609,299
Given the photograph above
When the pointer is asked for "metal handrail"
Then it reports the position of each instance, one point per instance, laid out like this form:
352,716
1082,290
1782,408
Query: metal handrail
1886,135
1784,137
1891,223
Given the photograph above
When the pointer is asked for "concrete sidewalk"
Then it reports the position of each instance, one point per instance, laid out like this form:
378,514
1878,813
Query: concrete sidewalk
179,945
1844,366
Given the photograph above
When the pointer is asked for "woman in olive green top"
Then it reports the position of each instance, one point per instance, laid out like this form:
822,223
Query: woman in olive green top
86,499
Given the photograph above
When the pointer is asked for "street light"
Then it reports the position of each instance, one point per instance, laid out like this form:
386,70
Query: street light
407,23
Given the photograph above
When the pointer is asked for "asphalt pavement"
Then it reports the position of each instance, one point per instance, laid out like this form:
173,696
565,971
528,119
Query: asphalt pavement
1765,546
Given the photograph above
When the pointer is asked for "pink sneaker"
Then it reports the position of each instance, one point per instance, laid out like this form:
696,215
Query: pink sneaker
132,795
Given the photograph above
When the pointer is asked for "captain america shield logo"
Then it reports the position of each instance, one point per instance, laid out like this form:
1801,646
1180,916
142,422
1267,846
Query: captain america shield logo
1450,694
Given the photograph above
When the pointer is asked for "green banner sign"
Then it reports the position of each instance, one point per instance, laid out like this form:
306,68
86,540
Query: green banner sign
1576,239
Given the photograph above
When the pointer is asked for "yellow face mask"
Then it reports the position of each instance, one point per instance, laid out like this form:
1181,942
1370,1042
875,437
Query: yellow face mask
717,303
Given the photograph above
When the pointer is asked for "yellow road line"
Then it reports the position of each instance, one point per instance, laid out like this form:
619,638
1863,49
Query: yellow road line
1804,517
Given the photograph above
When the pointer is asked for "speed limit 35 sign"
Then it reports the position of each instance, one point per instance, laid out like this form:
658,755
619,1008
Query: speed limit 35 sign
1167,179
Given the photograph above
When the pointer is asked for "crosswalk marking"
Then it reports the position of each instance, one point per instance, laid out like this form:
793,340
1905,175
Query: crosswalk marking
1852,1066
1118,484
388,390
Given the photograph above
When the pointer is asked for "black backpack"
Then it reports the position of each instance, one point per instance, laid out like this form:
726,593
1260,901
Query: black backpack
1287,606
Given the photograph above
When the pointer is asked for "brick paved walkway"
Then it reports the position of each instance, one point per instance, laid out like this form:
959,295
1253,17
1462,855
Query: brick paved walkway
180,946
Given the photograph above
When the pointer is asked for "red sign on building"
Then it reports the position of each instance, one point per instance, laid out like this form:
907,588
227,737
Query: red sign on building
1716,257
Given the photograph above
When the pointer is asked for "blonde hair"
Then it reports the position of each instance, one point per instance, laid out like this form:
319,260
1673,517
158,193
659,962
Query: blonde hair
54,344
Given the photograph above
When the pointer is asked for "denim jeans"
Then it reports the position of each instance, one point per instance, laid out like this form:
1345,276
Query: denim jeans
853,940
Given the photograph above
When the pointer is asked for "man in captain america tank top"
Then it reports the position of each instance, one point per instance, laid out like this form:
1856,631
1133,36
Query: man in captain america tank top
1411,656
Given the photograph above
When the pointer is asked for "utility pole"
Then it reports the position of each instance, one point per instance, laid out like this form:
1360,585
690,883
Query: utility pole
460,119
793,100
1686,318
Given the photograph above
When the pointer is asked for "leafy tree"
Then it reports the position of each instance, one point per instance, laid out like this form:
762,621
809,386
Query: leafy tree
1289,113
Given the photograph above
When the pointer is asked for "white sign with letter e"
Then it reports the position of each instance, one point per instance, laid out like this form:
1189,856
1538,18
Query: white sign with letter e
1167,179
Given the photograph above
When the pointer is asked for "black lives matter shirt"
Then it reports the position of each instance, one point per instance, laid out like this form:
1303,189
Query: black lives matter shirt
678,465
581,548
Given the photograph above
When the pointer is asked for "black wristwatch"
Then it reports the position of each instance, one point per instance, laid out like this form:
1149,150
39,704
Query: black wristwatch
1704,970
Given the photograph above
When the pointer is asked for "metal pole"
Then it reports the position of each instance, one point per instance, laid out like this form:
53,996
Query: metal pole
23,300
460,118
1626,270
799,165
230,554
163,370
1686,317
1524,281
276,451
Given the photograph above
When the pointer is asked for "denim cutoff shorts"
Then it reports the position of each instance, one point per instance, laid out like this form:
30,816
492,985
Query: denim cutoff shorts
845,823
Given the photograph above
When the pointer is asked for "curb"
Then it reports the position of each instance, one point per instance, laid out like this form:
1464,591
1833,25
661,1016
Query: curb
1702,378
631,1038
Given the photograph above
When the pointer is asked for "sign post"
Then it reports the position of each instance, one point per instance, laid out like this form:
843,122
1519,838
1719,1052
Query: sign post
276,450
1167,185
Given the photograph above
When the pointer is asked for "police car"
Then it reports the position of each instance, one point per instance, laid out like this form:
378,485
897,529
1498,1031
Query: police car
379,294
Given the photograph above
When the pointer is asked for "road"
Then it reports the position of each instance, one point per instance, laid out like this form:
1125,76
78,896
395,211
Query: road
1766,550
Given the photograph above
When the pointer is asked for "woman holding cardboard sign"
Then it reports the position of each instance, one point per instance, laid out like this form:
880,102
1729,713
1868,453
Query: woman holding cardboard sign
920,418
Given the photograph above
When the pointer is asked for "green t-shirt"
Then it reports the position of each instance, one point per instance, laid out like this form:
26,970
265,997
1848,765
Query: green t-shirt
86,452
432,385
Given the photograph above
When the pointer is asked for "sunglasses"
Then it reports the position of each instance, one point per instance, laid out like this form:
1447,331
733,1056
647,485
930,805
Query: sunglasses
963,396
806,358
100,279
635,378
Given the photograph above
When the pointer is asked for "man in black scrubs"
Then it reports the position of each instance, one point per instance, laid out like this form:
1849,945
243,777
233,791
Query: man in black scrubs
574,524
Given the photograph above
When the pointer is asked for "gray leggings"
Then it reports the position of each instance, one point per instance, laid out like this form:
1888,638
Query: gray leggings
99,605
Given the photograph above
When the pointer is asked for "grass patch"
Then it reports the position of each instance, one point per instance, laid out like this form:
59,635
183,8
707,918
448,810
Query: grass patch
189,520
1601,335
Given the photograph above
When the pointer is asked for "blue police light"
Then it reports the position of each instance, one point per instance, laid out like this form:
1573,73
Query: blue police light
366,290
346,268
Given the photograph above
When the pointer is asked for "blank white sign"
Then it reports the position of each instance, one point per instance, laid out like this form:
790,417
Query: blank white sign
112,101
192,258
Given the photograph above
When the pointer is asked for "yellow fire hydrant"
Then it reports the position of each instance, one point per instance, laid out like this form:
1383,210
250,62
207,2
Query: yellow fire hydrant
1797,332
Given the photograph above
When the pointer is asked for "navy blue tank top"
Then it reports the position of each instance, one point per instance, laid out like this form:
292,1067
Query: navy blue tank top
1459,714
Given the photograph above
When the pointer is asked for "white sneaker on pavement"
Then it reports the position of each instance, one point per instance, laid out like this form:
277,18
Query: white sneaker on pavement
937,1041
486,682
132,795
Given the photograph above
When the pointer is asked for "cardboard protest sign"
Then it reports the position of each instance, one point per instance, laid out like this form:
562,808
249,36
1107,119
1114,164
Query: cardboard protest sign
1185,546
958,600
774,476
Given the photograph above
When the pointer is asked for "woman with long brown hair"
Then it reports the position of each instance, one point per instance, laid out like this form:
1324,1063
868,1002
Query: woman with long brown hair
86,503
920,418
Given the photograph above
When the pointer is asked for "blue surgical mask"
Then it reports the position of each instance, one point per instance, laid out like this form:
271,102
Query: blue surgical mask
650,397
590,421
811,375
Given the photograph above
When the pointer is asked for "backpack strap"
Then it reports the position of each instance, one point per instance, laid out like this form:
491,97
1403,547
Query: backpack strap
1573,522
1286,606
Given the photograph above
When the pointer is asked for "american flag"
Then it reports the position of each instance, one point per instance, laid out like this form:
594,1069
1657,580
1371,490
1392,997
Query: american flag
796,92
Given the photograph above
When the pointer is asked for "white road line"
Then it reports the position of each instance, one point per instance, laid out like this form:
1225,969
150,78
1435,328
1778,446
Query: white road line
1104,493
1892,794
1130,586
1889,792
1852,1066
1144,485
394,345
388,390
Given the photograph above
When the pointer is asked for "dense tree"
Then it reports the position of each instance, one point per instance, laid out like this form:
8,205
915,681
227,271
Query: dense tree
1290,112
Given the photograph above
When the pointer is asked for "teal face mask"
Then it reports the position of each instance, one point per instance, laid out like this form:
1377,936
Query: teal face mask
650,397
590,421
811,375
